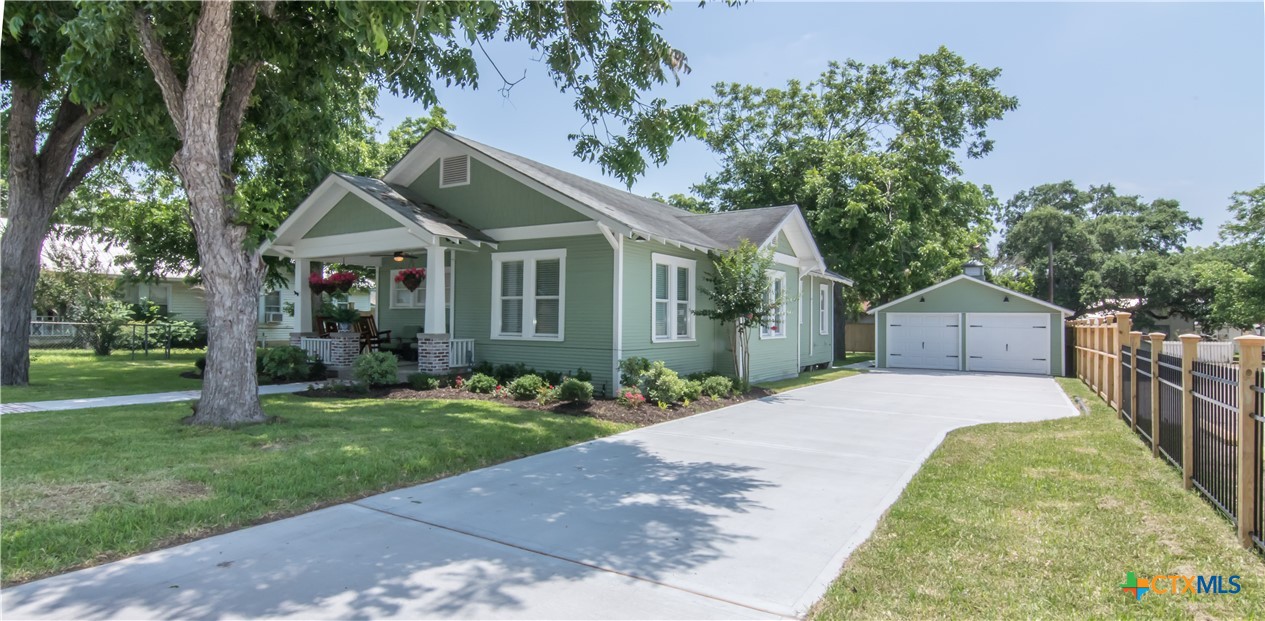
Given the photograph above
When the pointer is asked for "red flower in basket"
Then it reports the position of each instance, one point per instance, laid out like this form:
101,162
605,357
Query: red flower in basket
317,283
411,277
341,281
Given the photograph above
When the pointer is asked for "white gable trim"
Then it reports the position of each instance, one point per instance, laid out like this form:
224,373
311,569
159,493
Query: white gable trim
1053,307
801,238
319,203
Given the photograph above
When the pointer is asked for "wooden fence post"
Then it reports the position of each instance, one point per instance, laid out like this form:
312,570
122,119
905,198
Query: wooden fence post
1190,350
1249,364
1157,347
1098,356
1118,337
1135,341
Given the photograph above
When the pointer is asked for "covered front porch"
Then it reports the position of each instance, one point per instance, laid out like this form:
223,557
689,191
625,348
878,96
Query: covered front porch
366,222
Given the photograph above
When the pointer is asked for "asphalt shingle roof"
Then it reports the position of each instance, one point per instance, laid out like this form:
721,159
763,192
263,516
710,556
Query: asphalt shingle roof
401,200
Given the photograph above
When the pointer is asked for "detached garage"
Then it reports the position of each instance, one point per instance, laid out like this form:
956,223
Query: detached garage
968,324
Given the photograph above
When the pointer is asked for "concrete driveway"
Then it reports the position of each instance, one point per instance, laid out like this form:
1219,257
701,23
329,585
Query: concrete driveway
745,512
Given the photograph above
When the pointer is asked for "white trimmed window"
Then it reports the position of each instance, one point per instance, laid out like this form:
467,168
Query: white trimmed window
159,294
823,310
270,308
672,317
401,297
776,327
529,294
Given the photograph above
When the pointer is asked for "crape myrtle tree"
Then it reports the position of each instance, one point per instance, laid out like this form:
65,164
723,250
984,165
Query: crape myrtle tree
872,155
249,86
740,298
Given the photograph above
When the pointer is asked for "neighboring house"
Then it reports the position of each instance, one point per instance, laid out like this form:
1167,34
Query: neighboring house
968,324
527,263
174,296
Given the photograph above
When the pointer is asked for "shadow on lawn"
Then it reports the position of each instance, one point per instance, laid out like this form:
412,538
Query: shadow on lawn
411,553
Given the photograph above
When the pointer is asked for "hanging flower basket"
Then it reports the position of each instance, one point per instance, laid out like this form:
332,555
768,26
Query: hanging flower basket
317,283
411,278
341,282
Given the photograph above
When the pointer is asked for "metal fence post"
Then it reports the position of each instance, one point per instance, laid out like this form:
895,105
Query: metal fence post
1135,341
1249,364
1190,351
1157,346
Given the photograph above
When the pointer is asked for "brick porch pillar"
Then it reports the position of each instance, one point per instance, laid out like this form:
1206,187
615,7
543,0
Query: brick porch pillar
432,353
343,350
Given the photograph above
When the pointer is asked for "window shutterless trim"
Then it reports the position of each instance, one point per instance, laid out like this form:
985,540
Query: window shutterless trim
823,309
529,258
775,276
672,263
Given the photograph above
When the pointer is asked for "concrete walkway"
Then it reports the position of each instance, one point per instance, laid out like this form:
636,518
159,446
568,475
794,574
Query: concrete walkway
745,512
145,399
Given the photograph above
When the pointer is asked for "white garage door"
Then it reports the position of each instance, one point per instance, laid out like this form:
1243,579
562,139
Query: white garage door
924,340
1008,342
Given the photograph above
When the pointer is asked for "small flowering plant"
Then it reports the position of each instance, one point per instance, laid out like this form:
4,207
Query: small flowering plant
411,278
459,383
317,282
630,397
501,392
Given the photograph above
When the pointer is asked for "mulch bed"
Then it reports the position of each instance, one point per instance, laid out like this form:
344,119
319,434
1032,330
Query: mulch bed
601,409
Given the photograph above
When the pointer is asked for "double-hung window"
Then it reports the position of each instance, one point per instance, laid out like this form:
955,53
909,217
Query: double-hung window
270,308
673,288
402,298
775,327
529,294
823,310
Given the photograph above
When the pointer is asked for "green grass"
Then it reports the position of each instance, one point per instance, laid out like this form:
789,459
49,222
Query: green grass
854,357
79,374
808,378
1042,520
85,487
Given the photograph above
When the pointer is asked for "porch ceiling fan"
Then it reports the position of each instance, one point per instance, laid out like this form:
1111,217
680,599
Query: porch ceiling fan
398,257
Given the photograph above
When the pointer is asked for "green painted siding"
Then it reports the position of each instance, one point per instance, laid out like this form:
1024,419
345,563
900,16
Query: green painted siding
588,303
492,200
398,319
784,245
815,347
351,215
776,358
969,296
681,356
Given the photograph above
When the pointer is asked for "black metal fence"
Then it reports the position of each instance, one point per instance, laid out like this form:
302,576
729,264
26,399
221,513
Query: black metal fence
1258,529
1145,411
1169,408
1216,433
1126,383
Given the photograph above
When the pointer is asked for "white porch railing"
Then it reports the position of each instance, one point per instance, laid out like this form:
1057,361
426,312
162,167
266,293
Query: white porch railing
317,348
1209,351
460,353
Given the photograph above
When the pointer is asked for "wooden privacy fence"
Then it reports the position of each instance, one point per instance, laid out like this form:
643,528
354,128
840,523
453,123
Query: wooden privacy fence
1206,417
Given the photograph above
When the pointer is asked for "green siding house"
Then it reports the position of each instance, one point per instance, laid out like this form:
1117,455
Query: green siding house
527,263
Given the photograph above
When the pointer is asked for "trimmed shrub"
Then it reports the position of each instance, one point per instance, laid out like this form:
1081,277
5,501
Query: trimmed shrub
547,394
583,376
574,389
698,376
506,373
631,370
483,367
693,390
376,368
316,370
662,385
422,381
481,383
718,386
553,378
526,387
201,364
284,364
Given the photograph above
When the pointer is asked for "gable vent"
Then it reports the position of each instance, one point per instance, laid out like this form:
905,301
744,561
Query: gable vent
454,170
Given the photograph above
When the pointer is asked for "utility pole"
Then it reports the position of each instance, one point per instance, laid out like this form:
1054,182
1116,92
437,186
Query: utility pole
1050,272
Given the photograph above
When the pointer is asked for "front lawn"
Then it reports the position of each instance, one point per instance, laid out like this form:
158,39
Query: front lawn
1043,520
80,374
807,378
854,357
85,487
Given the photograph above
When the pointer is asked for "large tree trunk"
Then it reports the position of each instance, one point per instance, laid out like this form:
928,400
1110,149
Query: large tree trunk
207,110
38,182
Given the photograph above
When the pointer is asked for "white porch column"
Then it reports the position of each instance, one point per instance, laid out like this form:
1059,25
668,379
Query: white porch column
436,310
303,305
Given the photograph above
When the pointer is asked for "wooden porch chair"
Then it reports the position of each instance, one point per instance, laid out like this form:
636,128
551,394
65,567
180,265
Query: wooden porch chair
325,326
370,338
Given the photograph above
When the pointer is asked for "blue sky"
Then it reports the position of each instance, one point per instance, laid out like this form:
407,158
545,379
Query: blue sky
1162,100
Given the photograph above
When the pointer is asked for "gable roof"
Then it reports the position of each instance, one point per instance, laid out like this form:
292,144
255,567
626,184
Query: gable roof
1053,307
729,228
402,201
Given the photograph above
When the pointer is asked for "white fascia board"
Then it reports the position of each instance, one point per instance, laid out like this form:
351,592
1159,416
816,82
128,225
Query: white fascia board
1066,313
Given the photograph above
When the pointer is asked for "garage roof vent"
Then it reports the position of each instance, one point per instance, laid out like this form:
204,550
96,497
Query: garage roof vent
974,269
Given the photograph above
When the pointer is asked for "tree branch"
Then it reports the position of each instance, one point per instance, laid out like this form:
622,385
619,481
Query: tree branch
208,72
241,83
81,169
160,64
23,108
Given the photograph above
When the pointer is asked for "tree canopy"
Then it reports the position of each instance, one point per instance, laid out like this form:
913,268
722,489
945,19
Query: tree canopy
872,155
